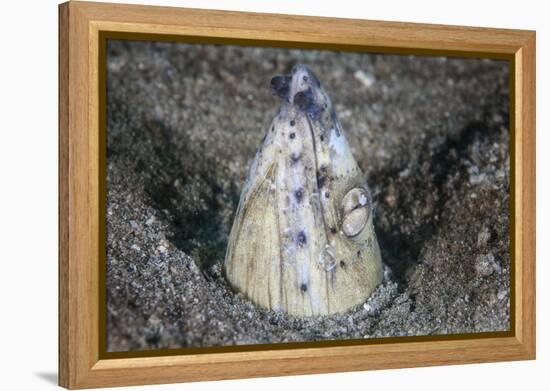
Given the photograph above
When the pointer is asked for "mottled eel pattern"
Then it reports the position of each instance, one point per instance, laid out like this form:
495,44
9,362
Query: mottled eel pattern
303,240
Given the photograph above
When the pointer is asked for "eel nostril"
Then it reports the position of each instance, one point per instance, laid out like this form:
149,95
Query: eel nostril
300,99
280,87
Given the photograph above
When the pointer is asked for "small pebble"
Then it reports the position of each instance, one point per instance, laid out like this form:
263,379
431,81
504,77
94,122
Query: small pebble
483,237
367,307
485,265
365,78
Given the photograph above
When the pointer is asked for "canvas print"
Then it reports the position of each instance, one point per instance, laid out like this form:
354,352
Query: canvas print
261,195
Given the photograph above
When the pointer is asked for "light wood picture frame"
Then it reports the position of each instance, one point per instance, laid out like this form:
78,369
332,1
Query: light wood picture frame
84,28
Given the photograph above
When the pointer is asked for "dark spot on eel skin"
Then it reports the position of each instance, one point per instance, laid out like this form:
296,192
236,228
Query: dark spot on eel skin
359,253
302,239
299,195
292,135
305,78
322,138
342,264
327,194
294,158
292,123
321,178
303,288
333,230
273,128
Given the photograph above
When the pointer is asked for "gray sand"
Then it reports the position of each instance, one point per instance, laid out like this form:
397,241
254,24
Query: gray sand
184,122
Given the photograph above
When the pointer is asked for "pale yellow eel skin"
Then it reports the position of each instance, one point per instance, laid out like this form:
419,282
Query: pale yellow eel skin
303,239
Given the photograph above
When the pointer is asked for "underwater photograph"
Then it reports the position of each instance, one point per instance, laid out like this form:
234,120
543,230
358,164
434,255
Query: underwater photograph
261,195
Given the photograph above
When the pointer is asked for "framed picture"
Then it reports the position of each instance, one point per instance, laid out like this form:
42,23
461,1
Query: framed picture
247,195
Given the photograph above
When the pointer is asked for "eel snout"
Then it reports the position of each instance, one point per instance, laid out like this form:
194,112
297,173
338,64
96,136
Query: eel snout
302,89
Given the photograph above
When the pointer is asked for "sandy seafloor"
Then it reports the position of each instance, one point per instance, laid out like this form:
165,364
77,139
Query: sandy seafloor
183,124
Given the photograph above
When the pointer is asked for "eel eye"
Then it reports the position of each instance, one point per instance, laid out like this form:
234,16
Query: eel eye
356,211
